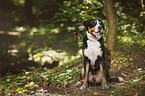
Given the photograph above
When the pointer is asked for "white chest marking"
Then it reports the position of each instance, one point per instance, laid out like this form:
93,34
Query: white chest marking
93,51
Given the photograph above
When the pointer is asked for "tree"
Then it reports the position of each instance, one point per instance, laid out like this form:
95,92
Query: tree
112,25
29,12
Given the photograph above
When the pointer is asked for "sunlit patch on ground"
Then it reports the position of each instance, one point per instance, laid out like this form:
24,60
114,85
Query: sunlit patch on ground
9,33
49,56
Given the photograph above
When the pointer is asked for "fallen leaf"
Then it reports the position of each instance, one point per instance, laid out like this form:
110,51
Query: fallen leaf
130,59
95,93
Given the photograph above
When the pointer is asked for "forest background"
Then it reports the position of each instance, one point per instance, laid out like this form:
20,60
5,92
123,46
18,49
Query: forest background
40,51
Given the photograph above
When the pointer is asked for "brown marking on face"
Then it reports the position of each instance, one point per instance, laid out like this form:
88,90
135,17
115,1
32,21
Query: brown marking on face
91,29
100,22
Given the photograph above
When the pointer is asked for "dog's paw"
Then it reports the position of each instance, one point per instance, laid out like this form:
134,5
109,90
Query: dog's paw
79,83
105,85
83,87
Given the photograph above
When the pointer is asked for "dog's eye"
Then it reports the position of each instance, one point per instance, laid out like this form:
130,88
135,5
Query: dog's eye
100,23
95,23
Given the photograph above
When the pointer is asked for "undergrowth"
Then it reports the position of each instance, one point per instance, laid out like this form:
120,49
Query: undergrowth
35,82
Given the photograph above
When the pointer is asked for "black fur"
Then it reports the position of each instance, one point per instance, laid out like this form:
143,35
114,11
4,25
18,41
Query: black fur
100,61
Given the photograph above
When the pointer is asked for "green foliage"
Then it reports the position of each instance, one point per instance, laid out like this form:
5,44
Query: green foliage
41,30
79,11
70,15
35,82
128,24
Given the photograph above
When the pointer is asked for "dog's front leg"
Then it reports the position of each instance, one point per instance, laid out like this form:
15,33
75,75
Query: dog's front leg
86,70
104,81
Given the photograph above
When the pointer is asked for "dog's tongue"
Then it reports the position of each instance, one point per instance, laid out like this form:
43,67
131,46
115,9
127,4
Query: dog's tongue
97,35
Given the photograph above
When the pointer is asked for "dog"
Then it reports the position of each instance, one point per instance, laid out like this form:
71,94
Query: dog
93,71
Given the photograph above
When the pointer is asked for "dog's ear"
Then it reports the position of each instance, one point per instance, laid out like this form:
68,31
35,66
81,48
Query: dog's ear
102,23
86,24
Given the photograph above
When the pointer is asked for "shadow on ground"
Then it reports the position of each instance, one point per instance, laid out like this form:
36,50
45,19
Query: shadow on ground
15,49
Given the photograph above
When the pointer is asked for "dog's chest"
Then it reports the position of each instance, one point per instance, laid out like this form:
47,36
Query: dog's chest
93,50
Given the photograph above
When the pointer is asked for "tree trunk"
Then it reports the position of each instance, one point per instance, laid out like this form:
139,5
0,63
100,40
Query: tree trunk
112,25
29,12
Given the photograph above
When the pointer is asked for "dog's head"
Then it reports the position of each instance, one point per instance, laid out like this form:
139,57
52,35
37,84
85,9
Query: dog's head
94,27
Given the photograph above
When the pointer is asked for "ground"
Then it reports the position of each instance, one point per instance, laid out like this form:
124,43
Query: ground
132,71
127,62
133,84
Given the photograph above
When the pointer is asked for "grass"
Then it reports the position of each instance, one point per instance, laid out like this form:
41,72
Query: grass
35,82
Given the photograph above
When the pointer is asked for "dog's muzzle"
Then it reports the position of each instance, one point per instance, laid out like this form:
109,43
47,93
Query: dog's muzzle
98,34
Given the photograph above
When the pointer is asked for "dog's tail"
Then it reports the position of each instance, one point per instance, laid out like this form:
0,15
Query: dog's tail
113,78
116,79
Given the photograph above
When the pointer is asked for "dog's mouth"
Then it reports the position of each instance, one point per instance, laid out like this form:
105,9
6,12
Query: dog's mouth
98,34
